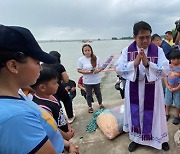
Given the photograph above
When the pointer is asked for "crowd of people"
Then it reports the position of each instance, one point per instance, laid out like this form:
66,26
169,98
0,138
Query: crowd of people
31,93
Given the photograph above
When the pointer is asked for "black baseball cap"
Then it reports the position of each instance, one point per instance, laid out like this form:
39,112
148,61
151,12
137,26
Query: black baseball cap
15,38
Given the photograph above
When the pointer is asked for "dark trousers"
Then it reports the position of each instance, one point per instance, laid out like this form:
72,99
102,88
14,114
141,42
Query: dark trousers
62,95
97,91
83,93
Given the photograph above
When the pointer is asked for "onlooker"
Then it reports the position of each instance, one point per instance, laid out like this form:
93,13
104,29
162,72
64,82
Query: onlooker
177,37
169,38
90,66
83,89
62,94
45,87
120,85
143,65
70,88
156,39
172,82
177,40
21,120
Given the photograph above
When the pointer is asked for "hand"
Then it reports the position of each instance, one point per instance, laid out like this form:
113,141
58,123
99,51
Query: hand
171,89
73,89
73,149
143,57
137,60
70,129
96,71
168,87
66,88
70,134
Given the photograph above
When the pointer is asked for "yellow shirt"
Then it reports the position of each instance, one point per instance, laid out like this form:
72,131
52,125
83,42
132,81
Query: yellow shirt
171,43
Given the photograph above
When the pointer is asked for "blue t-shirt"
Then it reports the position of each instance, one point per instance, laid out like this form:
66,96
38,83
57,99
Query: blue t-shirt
173,76
24,127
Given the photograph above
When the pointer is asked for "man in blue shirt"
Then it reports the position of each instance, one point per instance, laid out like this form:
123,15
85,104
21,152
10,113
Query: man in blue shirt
156,39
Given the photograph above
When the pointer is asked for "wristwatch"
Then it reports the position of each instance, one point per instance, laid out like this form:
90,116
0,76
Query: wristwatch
147,66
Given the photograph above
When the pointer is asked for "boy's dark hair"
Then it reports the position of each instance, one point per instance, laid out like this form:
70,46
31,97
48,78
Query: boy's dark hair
155,36
46,74
6,55
141,26
175,54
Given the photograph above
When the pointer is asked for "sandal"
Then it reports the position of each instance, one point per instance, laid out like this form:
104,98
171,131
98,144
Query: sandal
101,106
90,110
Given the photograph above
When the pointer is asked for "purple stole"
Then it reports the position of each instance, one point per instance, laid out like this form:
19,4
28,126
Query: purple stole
146,133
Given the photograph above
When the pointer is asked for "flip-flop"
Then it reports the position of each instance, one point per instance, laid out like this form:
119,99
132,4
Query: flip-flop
101,106
90,110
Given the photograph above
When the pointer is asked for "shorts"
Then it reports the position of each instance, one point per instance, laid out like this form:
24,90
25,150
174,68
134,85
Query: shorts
171,97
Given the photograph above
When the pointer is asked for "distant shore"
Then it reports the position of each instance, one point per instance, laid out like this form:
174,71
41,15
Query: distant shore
82,40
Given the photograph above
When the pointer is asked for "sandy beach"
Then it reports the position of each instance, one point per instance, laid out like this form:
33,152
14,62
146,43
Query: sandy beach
97,143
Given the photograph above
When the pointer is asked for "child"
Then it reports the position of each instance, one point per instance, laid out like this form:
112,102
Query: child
172,82
45,87
70,87
83,89
62,94
21,120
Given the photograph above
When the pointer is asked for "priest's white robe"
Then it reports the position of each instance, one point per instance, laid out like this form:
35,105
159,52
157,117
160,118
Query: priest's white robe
155,72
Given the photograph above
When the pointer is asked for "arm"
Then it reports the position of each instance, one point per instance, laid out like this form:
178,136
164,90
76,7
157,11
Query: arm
98,70
160,70
176,89
166,84
165,81
73,89
99,66
81,87
73,86
26,130
65,77
71,148
84,71
47,148
67,135
127,70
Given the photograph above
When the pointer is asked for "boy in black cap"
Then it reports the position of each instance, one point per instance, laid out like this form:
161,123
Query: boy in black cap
21,120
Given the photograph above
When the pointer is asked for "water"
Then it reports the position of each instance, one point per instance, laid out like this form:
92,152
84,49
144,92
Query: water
71,52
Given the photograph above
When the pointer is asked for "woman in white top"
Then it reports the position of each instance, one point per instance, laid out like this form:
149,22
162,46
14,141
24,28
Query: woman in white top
90,65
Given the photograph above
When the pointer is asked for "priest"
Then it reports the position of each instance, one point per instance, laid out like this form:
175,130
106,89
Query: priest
143,65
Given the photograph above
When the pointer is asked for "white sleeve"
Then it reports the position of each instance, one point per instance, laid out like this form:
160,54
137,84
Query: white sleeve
158,71
79,64
124,68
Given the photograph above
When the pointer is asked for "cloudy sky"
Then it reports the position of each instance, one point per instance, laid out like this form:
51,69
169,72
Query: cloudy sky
88,19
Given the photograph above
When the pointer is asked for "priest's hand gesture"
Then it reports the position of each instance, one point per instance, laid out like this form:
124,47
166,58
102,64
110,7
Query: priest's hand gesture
137,60
143,57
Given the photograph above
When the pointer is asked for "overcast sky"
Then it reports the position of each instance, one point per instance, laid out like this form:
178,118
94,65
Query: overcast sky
88,19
